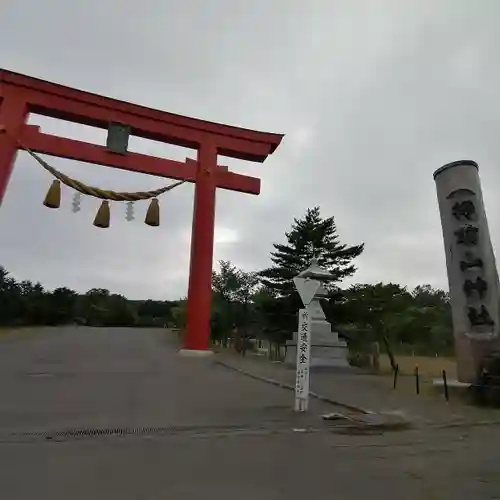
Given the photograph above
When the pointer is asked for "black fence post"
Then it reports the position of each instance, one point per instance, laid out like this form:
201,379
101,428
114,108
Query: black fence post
445,384
396,373
417,380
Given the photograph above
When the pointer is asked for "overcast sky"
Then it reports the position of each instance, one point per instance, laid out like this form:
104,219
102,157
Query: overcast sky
373,96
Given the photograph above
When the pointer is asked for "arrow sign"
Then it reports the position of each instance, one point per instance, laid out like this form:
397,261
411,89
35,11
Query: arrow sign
307,289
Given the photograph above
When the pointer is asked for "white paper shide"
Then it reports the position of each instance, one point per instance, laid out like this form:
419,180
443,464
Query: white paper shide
303,361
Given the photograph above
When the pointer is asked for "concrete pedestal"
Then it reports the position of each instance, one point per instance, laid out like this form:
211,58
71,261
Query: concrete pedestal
326,348
332,354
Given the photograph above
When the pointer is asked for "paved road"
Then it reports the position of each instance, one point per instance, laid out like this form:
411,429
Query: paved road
89,377
216,434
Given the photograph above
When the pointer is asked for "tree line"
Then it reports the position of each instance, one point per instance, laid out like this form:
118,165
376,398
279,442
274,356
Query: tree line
264,304
260,304
23,303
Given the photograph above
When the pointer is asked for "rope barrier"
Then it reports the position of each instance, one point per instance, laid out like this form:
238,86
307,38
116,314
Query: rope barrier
53,197
102,194
97,192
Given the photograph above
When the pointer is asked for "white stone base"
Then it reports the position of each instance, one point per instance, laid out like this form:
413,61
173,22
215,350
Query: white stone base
191,353
455,388
452,384
333,355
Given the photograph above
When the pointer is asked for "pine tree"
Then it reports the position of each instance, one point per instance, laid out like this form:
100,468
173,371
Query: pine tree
310,236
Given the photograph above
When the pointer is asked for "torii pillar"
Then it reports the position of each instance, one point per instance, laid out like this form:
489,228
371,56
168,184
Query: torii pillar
21,94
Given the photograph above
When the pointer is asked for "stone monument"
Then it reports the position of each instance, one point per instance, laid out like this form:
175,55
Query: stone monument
470,261
326,348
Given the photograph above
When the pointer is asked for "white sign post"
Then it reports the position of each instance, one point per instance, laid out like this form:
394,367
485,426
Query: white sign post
303,361
309,285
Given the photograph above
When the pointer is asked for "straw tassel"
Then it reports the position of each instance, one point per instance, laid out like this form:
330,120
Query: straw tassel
153,214
102,216
53,196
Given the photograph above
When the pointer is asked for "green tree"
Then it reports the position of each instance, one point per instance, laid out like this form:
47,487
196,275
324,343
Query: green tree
119,312
154,312
11,301
310,236
36,303
378,311
232,304
432,327
93,306
419,320
179,314
275,317
62,304
27,303
367,304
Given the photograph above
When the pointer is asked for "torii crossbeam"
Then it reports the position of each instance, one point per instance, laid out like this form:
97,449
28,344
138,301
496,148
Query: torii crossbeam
21,95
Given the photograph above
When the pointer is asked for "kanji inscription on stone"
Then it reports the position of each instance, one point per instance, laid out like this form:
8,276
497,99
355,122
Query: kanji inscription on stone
467,235
303,361
481,317
464,210
471,262
478,285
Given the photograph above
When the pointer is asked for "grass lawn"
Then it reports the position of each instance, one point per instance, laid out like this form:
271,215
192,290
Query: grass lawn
428,367
7,332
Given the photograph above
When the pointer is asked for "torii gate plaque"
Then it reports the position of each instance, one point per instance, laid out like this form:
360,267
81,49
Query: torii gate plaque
20,95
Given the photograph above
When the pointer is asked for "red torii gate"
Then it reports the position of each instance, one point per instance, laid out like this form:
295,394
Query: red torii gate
21,95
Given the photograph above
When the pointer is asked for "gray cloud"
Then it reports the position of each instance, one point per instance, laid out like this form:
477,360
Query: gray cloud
373,96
